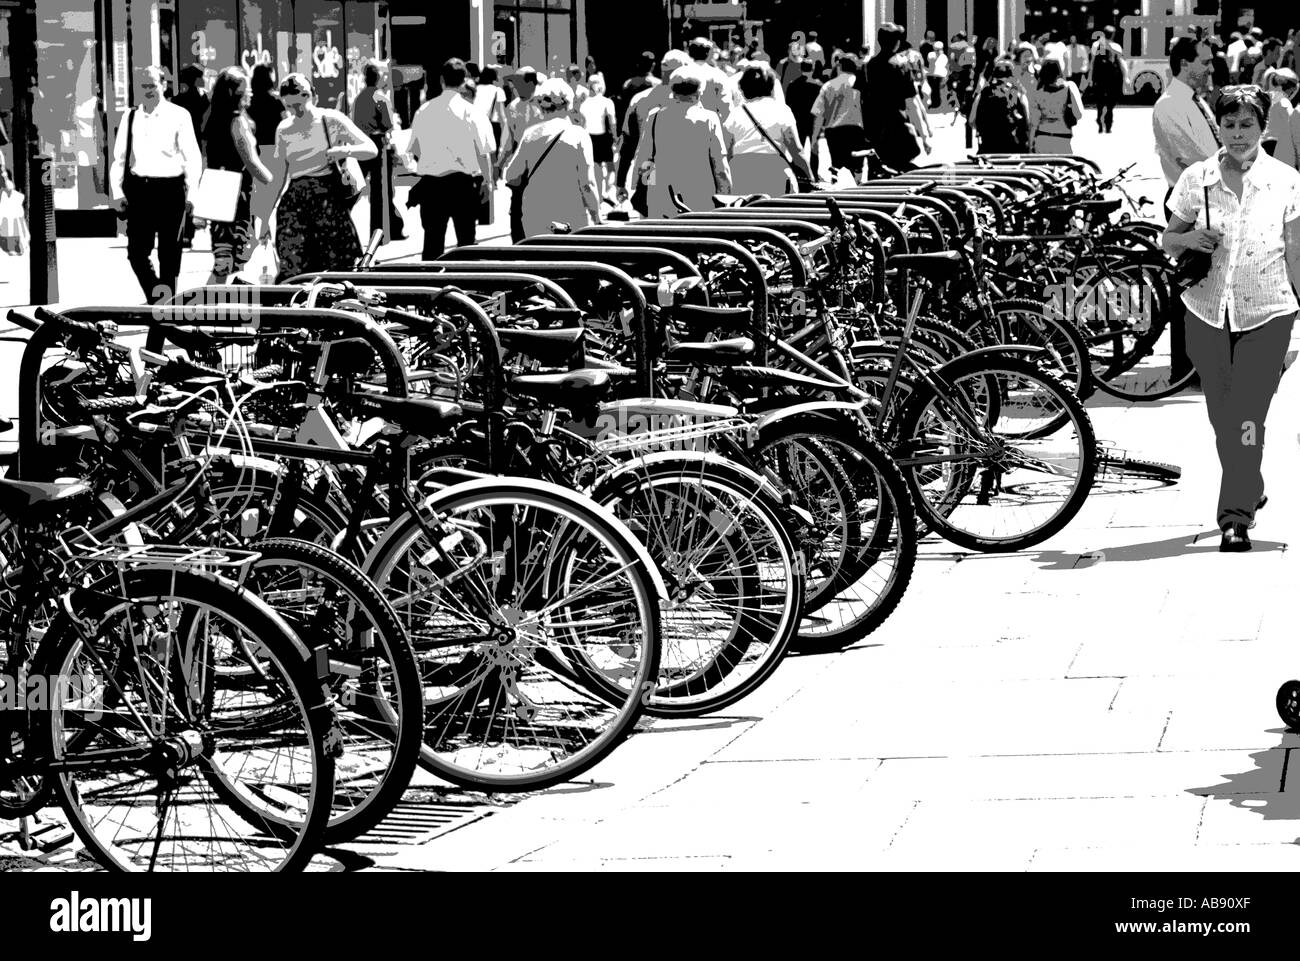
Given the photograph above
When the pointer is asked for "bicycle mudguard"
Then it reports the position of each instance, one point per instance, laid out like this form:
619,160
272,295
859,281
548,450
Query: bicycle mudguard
855,409
580,504
630,474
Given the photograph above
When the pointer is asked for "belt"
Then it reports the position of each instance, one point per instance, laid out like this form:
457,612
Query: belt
157,180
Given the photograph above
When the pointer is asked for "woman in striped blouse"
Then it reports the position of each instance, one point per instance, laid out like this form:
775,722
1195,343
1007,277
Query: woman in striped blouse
1242,207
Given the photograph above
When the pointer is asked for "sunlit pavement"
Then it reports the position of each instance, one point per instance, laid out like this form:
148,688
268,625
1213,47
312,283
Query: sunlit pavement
1102,702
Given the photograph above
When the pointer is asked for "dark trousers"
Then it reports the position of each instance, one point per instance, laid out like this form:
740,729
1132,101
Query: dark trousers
841,142
382,166
936,91
1106,100
155,214
1239,372
454,198
814,158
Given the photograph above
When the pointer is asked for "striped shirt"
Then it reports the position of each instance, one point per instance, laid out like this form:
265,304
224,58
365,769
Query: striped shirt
1248,280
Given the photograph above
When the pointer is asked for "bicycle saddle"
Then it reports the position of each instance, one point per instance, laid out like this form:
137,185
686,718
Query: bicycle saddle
717,353
549,347
937,267
418,415
573,389
25,500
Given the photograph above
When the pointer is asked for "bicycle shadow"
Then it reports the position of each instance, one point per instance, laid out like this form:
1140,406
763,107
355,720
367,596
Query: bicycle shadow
1262,789
1205,542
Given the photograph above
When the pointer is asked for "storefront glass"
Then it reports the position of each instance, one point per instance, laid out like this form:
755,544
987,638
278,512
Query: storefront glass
538,33
69,110
268,36
207,36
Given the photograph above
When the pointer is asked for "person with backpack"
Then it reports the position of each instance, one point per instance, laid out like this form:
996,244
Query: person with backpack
1107,75
1000,113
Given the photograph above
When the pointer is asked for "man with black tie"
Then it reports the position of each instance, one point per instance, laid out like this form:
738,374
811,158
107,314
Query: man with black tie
1184,127
156,166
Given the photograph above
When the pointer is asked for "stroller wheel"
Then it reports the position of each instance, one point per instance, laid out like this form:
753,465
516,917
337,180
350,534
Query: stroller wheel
1288,704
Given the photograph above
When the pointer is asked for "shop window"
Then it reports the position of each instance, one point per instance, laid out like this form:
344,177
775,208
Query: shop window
321,48
207,36
69,111
268,36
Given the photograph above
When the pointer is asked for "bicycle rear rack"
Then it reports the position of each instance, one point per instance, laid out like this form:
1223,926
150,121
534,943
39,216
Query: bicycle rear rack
82,547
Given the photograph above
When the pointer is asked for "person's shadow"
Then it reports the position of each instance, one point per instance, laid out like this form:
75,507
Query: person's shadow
1262,789
1178,546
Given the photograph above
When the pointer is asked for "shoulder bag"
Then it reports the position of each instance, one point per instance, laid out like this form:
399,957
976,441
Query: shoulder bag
805,186
517,191
1193,266
128,178
349,181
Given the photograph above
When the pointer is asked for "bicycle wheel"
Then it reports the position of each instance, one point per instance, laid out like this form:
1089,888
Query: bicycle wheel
735,586
1065,351
373,674
504,710
154,782
1014,487
876,552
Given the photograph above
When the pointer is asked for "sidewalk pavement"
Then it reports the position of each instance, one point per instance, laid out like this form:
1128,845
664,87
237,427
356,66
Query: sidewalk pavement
1104,702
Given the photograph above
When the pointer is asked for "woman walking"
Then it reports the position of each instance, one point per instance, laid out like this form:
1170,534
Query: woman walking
1055,106
230,144
1241,207
553,167
763,139
599,120
314,229
1000,113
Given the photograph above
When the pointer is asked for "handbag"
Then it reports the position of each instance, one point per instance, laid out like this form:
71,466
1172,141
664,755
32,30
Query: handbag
350,181
804,185
517,192
1193,266
217,196
641,192
262,267
1068,114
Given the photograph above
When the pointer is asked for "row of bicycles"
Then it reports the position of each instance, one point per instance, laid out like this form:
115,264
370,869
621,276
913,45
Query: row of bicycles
268,550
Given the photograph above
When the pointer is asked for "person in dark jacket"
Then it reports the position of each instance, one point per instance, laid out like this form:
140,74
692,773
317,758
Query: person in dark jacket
195,101
800,99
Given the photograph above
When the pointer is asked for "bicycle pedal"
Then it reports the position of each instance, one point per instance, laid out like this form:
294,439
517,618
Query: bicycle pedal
51,837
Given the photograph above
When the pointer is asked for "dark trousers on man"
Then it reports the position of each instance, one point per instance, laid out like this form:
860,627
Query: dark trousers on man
155,214
1106,100
454,198
1239,373
841,142
379,175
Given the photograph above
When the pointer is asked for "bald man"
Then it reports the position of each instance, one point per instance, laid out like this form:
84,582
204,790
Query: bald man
151,186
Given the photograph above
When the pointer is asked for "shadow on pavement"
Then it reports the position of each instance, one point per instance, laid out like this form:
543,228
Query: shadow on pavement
1149,550
1259,789
851,647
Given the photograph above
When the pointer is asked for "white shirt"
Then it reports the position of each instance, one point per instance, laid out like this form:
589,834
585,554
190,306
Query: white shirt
446,137
162,145
598,115
1233,53
1055,51
1184,133
776,119
1247,278
1076,59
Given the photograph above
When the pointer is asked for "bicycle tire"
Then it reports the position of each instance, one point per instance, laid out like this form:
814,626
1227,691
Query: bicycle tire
909,430
406,535
295,666
395,719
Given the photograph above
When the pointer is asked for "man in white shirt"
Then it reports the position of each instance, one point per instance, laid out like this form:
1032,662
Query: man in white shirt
454,162
815,52
1185,129
1236,47
1076,61
150,186
837,112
